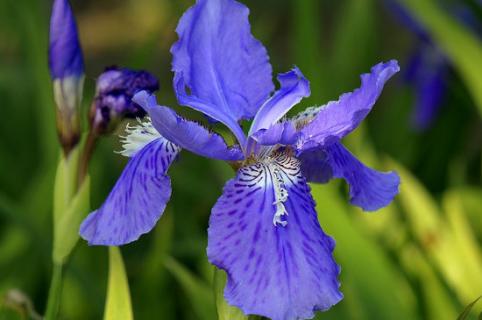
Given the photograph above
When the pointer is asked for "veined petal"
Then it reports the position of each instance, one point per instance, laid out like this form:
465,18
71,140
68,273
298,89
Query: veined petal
369,189
225,68
315,165
336,119
184,133
210,110
137,200
265,234
294,87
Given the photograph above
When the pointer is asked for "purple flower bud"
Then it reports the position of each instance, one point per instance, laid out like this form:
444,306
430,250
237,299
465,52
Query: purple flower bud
65,53
113,99
66,69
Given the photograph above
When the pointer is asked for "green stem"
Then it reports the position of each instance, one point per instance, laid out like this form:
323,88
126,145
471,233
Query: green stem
55,291
87,152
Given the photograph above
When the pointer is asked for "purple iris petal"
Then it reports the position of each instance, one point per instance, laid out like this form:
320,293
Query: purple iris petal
294,87
430,88
187,134
338,118
315,166
281,272
218,61
209,110
137,200
65,53
283,133
427,73
369,189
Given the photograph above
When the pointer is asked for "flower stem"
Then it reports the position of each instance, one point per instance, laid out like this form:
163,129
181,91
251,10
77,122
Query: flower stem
87,151
55,291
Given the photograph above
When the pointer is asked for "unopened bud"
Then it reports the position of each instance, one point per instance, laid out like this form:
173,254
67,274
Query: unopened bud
67,71
113,99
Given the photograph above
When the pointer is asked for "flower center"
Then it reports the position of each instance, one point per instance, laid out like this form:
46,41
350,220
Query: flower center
280,194
138,136
281,165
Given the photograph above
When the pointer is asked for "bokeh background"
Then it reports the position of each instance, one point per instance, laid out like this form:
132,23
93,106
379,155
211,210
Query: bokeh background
419,258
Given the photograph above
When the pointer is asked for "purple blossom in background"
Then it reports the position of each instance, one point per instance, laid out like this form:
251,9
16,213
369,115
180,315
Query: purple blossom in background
66,67
113,100
428,67
263,231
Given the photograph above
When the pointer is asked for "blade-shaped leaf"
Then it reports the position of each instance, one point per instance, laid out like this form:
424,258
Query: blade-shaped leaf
436,236
65,183
225,311
68,224
355,31
464,239
198,292
118,302
437,300
468,309
388,296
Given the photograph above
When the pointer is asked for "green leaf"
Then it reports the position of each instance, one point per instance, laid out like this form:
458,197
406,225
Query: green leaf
65,183
154,280
386,296
225,311
470,197
467,310
438,301
308,53
197,291
437,237
67,225
355,31
461,46
55,291
464,240
118,302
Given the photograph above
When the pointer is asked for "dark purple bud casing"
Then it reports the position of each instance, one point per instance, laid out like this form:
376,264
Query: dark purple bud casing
113,99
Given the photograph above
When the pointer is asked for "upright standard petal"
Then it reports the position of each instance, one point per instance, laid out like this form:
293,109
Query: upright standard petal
294,87
265,234
369,189
338,118
186,134
65,53
223,67
137,200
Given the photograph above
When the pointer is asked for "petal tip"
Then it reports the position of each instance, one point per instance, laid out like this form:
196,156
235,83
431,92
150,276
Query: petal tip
144,99
387,191
65,53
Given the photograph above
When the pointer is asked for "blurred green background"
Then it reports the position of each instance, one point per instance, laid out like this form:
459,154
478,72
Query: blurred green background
419,258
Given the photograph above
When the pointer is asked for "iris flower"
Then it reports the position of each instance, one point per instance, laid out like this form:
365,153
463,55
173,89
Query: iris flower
428,69
263,230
